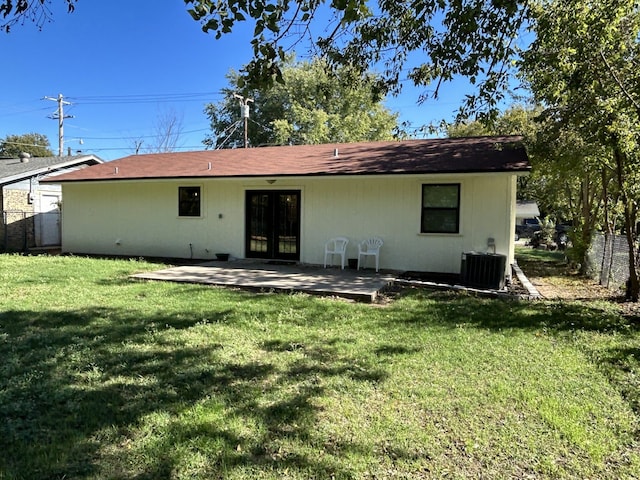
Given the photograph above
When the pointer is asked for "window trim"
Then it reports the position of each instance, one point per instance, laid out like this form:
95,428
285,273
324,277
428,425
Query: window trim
425,209
182,215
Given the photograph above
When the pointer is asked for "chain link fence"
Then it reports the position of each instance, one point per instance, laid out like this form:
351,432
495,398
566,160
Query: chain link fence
22,230
609,260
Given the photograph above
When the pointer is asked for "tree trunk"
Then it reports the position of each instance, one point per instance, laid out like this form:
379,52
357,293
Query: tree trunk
585,233
633,286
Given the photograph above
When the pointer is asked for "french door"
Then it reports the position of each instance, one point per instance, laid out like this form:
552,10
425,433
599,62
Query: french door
273,224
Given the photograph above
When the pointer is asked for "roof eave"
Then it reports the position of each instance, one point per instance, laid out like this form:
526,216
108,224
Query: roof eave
48,169
515,171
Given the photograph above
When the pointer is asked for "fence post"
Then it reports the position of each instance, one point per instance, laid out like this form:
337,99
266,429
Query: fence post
5,230
25,233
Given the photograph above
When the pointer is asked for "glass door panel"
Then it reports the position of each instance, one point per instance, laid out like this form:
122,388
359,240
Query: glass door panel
273,224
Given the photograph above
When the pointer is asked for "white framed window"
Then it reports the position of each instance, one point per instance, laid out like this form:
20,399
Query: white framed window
189,201
440,208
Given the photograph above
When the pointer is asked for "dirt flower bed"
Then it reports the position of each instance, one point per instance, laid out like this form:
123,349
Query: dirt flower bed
554,278
570,286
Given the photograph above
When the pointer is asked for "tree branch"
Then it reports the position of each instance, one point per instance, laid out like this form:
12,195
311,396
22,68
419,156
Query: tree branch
619,83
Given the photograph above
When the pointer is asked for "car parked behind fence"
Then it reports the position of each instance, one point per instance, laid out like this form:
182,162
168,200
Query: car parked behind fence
527,228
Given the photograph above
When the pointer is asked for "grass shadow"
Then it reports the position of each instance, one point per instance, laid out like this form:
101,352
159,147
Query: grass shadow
622,364
68,375
75,381
598,330
452,309
392,350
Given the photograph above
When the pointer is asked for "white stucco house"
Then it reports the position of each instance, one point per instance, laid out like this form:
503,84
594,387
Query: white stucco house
429,200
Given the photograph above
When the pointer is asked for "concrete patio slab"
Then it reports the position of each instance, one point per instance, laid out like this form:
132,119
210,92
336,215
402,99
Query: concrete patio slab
362,285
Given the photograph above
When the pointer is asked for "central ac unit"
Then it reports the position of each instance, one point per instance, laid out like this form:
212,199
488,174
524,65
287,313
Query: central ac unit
483,270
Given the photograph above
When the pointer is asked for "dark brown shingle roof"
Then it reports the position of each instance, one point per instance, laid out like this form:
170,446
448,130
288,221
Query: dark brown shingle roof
451,155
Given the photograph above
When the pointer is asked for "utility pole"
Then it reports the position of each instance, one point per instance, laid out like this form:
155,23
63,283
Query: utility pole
244,109
59,115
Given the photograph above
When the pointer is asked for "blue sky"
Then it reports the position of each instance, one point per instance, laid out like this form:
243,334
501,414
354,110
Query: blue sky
123,64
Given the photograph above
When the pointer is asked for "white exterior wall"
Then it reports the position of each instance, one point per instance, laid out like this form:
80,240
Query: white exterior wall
141,218
390,208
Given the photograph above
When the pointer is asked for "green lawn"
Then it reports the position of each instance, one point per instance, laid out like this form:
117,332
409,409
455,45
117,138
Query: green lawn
102,377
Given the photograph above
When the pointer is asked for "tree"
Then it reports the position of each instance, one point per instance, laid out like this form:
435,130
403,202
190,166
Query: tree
583,66
35,144
567,180
474,38
312,106
167,129
425,41
19,11
516,120
570,178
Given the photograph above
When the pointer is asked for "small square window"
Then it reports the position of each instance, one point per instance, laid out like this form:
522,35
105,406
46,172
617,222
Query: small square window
189,201
440,208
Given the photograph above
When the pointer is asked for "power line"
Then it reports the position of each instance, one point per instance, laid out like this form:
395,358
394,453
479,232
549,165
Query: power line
144,98
120,99
183,147
22,144
137,137
20,112
146,95
235,127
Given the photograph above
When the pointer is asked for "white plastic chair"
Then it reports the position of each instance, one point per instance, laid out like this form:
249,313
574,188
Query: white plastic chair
370,247
336,246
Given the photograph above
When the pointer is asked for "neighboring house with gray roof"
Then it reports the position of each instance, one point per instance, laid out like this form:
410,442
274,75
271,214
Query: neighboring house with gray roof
429,200
526,209
31,210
